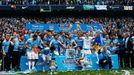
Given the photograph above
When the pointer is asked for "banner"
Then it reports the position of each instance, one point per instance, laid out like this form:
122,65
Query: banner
68,64
39,66
88,7
116,8
101,7
128,7
66,7
60,27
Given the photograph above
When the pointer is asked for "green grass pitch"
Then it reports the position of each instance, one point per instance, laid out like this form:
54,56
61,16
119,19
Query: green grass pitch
97,72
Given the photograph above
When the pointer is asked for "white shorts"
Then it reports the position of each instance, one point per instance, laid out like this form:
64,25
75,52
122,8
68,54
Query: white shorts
46,57
86,51
56,52
32,55
36,55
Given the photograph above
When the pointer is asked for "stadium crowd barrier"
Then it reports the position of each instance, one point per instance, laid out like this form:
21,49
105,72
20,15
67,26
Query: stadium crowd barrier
68,64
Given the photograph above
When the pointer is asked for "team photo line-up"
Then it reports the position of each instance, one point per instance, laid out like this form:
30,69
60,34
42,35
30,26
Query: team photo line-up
49,44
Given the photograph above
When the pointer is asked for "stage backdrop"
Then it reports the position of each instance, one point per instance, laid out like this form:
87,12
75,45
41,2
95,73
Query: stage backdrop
60,27
68,64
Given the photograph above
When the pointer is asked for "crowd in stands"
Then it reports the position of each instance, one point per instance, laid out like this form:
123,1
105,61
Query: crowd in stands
117,37
111,25
68,2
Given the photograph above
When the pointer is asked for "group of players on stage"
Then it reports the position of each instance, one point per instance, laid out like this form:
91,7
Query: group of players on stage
50,44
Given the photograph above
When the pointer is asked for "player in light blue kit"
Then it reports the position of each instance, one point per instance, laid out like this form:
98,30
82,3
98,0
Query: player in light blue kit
79,57
37,44
5,53
45,55
51,56
57,44
30,54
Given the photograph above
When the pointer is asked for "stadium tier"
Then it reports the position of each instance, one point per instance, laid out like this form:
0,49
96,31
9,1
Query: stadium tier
49,8
67,2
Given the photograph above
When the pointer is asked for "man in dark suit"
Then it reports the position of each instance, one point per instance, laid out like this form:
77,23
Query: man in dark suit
106,59
132,51
10,58
121,48
128,50
1,40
